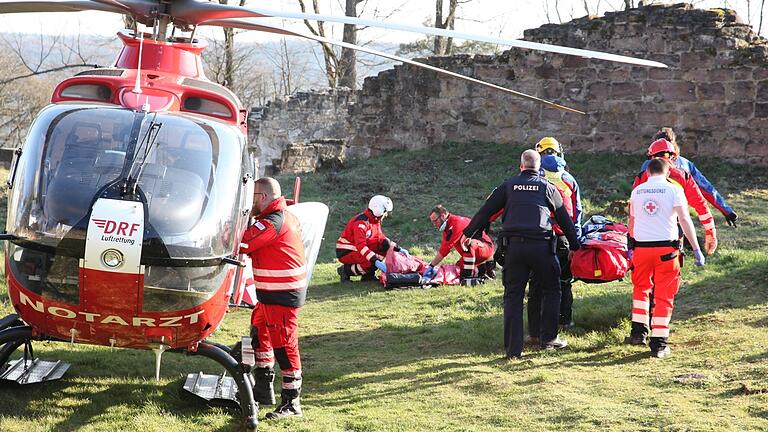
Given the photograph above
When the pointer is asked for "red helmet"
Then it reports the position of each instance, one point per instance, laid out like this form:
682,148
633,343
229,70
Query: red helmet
661,146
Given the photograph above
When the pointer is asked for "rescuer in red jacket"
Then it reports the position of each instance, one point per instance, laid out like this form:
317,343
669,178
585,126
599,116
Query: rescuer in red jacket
475,258
663,149
274,244
362,245
707,188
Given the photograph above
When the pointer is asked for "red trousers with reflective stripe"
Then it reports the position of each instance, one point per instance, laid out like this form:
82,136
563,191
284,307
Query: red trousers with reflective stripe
477,253
277,327
353,258
656,272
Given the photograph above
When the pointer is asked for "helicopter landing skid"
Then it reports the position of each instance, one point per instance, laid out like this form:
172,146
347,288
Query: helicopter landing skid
215,389
34,371
28,369
234,389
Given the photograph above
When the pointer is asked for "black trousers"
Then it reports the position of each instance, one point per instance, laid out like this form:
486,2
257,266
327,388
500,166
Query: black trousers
522,259
566,297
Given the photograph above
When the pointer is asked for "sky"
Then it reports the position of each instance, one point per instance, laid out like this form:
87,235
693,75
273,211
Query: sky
505,18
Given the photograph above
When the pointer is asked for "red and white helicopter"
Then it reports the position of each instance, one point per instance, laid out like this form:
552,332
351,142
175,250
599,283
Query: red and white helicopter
133,188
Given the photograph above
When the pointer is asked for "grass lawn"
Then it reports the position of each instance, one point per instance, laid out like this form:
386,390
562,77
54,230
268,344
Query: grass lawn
431,359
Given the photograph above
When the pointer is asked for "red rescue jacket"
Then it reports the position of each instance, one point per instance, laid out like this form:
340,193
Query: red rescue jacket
452,233
274,244
363,235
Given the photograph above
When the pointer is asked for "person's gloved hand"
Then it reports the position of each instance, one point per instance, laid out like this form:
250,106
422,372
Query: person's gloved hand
710,241
699,258
380,265
405,251
429,273
630,253
731,219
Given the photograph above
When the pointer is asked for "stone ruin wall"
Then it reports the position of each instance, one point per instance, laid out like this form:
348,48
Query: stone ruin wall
714,94
303,131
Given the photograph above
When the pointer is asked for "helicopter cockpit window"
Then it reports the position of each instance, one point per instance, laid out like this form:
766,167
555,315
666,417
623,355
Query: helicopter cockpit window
187,172
191,181
71,152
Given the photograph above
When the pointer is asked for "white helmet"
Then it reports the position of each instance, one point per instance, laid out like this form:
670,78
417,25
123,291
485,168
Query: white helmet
379,204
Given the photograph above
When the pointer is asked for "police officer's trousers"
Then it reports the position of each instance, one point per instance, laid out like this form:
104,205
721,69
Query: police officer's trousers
566,297
523,257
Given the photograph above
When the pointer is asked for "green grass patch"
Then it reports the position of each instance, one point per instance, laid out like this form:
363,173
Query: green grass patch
431,359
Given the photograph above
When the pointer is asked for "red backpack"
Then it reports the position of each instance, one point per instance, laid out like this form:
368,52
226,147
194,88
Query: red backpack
603,256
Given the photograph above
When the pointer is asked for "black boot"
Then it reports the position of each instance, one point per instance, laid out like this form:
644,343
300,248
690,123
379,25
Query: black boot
490,270
465,274
659,347
369,277
290,406
343,273
637,335
263,387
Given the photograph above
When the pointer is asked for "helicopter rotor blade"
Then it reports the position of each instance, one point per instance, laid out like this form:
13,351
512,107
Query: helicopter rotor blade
56,6
248,25
143,10
116,4
195,12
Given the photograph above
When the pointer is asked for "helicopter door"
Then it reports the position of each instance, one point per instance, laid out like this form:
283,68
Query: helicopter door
112,271
312,216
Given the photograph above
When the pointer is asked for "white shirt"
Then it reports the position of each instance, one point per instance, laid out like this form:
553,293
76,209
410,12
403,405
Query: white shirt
652,205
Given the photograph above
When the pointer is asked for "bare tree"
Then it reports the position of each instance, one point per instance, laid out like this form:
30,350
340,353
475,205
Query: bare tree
445,20
588,11
289,66
330,56
348,65
240,67
53,54
30,67
547,13
229,67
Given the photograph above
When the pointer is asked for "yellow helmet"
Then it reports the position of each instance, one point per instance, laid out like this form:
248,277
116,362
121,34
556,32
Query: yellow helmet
551,144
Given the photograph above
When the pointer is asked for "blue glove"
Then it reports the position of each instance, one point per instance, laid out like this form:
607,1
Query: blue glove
699,258
429,273
630,252
405,251
380,265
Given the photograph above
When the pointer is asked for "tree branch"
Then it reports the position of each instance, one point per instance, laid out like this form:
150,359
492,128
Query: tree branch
43,72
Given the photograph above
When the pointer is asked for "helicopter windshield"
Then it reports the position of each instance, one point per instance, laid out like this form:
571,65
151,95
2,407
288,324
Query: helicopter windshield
185,168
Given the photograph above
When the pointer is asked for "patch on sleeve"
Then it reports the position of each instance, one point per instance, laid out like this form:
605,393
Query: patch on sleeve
361,226
260,226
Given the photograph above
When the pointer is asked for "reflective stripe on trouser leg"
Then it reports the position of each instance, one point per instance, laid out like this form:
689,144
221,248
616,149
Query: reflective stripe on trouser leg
353,269
358,264
264,359
652,276
640,311
260,339
642,284
292,380
467,262
285,338
667,283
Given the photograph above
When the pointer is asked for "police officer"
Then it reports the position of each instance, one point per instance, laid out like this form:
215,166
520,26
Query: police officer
528,200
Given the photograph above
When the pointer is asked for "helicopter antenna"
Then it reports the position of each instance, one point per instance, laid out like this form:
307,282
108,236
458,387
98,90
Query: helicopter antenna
137,86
